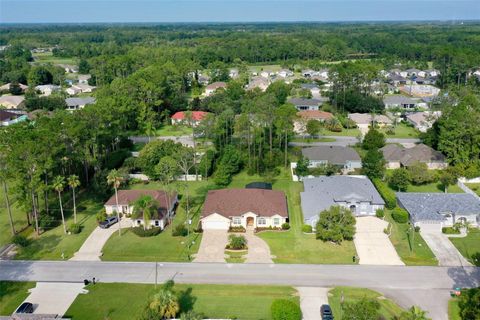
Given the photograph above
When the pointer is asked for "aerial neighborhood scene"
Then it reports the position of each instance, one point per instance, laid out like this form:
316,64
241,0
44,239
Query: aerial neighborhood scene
172,161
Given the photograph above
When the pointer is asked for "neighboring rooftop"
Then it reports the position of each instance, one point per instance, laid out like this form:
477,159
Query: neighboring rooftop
432,206
126,197
366,118
196,115
235,202
5,115
11,101
323,192
72,102
315,115
333,154
398,99
408,156
216,85
304,102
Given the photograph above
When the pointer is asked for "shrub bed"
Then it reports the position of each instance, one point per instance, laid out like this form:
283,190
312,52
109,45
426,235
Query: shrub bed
285,310
236,242
387,194
238,229
139,231
306,228
260,229
380,213
286,226
400,215
75,228
20,240
450,230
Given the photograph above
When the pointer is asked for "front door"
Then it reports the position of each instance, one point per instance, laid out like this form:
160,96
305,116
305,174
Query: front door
250,222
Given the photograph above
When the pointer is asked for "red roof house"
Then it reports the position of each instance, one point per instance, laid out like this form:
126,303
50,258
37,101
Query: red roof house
196,117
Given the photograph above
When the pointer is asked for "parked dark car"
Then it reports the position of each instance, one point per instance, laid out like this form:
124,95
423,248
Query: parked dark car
326,312
25,307
108,222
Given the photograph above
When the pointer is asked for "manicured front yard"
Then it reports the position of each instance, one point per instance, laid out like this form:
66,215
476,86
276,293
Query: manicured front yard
12,295
308,140
345,132
170,130
468,245
453,309
163,247
294,246
388,308
410,246
402,131
48,57
213,301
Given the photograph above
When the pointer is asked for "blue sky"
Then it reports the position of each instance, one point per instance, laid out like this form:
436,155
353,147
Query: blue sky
60,11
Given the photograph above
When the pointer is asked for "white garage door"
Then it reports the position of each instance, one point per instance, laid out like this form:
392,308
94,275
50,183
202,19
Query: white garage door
430,226
215,225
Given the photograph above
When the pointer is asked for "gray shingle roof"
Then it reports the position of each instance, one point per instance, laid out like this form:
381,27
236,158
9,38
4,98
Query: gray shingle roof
429,206
399,99
72,102
322,192
333,154
304,102
408,156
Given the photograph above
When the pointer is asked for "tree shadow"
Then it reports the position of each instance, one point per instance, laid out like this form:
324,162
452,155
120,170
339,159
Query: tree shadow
464,277
186,300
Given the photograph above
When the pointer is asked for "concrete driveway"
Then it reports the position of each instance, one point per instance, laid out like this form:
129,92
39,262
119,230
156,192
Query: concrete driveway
258,250
212,247
54,298
373,245
446,253
311,299
91,250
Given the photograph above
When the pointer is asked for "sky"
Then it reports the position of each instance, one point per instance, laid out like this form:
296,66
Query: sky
131,11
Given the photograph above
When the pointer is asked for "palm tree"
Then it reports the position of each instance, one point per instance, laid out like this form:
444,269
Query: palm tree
115,179
59,185
145,206
165,304
74,182
414,313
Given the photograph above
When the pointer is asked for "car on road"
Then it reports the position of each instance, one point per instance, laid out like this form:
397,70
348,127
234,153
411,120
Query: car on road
326,312
25,307
108,222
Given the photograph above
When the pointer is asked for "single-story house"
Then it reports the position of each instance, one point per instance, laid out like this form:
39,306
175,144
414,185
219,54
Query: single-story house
423,121
403,102
166,205
47,89
8,118
313,88
12,102
398,156
396,79
258,82
211,88
356,193
364,120
305,104
6,87
437,210
80,88
284,73
83,78
181,117
300,124
420,90
69,68
78,103
249,208
344,157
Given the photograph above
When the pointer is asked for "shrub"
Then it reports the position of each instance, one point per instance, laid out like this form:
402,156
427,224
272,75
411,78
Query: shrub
336,224
387,194
236,242
139,231
307,228
286,226
400,215
236,229
380,213
199,229
180,230
47,221
450,230
75,228
417,229
101,215
285,310
20,240
476,259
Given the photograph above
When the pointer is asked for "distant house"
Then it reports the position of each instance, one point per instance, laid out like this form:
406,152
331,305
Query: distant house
344,157
258,82
364,120
436,210
284,73
78,103
69,68
305,104
47,89
6,87
194,119
12,102
8,118
83,78
356,193
267,74
398,156
413,72
422,121
211,88
313,88
420,90
300,124
166,206
396,79
402,102
203,79
80,88
249,208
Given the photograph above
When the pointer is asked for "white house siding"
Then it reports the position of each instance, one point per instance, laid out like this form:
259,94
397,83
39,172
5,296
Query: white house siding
153,223
215,221
392,165
436,165
269,221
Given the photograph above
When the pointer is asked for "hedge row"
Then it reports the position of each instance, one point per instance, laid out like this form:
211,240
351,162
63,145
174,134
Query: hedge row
139,231
387,194
400,215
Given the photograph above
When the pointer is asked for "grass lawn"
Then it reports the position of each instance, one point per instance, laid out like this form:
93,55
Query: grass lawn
345,132
163,247
412,251
433,187
474,187
402,131
48,57
235,257
12,295
174,131
388,308
468,245
51,243
313,140
19,217
453,309
294,246
213,301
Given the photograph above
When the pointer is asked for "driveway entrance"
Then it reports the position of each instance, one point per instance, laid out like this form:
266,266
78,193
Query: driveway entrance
373,245
212,247
446,253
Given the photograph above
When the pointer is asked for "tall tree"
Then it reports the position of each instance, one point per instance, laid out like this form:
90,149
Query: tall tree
115,179
74,183
145,206
59,185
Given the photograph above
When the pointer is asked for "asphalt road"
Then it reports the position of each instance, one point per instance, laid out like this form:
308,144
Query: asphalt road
427,287
350,141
